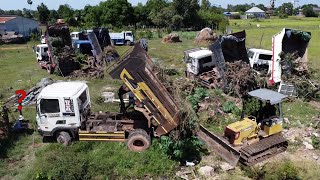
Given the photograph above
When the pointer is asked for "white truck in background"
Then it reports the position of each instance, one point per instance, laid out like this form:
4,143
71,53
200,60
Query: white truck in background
259,59
122,38
287,41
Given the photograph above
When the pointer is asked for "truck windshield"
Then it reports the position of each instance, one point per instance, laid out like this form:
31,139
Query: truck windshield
265,57
49,106
128,34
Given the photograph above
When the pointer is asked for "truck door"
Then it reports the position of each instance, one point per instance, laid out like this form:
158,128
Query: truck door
49,114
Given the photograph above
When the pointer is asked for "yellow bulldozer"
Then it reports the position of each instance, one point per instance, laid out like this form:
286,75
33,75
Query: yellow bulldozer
252,139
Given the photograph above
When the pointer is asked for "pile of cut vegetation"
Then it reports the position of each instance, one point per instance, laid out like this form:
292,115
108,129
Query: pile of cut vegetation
206,35
171,38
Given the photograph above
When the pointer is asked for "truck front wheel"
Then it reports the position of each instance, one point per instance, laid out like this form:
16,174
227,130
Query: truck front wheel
128,43
139,140
64,138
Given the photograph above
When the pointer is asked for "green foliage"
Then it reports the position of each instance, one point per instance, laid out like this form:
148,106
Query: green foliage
87,160
315,142
230,107
183,149
149,34
283,16
252,106
308,12
199,94
159,33
276,171
43,13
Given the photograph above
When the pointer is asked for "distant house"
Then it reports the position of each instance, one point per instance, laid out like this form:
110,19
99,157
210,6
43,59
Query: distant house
316,10
18,24
255,12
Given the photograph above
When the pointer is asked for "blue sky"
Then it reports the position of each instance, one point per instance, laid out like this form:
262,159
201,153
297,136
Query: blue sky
79,4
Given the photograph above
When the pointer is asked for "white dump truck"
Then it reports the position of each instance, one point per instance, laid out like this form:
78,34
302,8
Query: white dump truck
122,38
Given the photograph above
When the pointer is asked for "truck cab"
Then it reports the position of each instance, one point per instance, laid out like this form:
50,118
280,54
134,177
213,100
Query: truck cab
198,60
74,35
259,58
42,52
83,46
62,106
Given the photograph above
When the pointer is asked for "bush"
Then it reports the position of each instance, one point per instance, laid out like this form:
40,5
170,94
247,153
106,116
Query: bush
189,148
308,12
159,33
230,107
149,34
276,171
283,16
198,96
315,142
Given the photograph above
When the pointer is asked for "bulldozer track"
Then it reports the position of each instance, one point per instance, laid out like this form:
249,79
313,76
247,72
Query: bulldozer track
263,149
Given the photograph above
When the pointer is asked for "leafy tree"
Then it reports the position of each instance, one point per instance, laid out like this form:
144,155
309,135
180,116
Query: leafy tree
27,13
308,12
66,12
188,9
141,15
43,13
163,18
116,13
261,6
91,16
30,3
205,4
286,8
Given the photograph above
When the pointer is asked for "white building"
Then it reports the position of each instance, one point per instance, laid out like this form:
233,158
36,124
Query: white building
18,24
255,12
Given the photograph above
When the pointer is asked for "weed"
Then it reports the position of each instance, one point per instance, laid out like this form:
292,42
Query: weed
315,142
199,94
230,107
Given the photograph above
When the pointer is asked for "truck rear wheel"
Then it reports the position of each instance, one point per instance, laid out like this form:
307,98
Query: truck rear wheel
139,140
64,138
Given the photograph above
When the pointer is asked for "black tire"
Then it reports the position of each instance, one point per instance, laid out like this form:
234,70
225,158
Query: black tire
64,138
139,140
128,43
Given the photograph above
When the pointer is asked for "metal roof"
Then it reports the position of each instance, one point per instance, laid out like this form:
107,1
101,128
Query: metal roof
62,89
272,97
5,19
255,10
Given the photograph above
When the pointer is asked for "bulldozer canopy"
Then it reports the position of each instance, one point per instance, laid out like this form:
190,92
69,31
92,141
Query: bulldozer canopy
270,96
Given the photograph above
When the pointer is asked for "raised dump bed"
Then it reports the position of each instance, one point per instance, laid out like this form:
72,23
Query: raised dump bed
135,70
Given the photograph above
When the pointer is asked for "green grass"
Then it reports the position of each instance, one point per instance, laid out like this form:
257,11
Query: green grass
19,70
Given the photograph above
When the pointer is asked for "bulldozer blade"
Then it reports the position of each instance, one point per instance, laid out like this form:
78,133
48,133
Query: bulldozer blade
220,146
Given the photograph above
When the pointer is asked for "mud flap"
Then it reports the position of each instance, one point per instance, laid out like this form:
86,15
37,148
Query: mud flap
220,146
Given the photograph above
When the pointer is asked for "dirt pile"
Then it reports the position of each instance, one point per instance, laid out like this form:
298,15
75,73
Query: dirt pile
90,69
206,35
171,38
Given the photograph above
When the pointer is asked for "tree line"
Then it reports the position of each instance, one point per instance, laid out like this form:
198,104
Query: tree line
175,14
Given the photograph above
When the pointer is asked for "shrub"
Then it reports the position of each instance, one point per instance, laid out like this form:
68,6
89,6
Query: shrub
199,95
189,148
159,33
230,107
149,34
283,16
315,142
